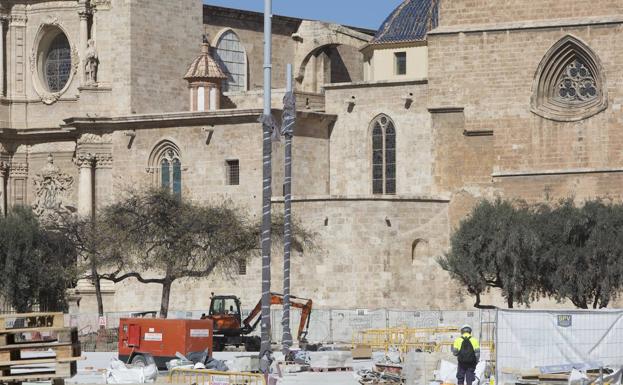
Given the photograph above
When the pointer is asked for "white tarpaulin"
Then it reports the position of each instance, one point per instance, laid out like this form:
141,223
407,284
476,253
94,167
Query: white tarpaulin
528,339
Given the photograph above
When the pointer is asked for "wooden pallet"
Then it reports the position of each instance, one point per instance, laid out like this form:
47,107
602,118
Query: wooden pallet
29,321
332,369
58,348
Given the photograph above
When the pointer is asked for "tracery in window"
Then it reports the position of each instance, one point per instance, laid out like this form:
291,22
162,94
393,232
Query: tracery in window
570,83
166,165
383,156
577,83
57,63
233,59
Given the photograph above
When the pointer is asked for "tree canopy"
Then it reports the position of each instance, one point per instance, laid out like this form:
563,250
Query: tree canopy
37,264
564,252
155,237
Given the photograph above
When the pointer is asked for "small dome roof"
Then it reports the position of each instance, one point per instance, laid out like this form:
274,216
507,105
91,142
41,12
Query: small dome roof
204,67
411,21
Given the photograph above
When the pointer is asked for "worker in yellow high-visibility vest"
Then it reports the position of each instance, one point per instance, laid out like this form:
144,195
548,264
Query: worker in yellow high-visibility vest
467,351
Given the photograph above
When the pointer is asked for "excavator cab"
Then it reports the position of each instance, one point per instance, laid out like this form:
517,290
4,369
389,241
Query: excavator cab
225,313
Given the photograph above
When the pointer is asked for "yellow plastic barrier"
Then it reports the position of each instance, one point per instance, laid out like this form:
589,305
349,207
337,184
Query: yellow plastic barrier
409,339
209,377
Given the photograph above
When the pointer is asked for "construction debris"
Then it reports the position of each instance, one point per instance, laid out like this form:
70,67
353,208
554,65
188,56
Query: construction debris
371,377
331,360
120,373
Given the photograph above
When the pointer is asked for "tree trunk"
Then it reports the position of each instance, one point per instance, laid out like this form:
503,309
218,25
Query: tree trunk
164,302
477,305
98,289
509,301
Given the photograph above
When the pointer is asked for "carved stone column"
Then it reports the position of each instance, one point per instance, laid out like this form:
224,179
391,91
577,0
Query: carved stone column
4,167
103,180
85,184
3,20
16,43
84,38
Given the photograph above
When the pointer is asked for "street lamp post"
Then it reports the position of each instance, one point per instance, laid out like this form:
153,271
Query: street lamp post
267,127
287,130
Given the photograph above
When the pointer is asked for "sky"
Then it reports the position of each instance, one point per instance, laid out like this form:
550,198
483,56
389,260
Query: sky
357,13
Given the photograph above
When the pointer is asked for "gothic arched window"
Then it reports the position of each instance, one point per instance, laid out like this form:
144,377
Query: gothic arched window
166,165
233,59
570,83
383,155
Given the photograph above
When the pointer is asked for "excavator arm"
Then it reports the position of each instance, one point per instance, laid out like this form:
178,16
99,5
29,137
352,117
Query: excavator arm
250,323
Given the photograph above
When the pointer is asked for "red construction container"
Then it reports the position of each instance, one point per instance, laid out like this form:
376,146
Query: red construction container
159,338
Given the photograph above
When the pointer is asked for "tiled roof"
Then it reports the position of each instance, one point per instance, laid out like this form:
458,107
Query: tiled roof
411,21
204,67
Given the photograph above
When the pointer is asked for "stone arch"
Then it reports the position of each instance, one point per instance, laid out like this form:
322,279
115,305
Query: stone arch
159,149
570,83
333,41
420,250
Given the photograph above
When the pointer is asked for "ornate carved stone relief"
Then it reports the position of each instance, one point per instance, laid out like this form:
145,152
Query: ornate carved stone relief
52,190
103,160
18,170
89,138
84,160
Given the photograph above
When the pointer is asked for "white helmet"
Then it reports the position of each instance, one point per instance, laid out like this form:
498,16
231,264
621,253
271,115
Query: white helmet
466,328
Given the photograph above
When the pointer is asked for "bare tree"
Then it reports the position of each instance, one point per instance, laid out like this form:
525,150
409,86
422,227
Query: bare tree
172,239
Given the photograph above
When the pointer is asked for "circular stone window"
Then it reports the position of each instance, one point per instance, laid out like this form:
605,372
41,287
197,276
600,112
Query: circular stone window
56,62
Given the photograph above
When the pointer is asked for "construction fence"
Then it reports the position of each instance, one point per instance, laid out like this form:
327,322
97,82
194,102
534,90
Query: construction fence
325,326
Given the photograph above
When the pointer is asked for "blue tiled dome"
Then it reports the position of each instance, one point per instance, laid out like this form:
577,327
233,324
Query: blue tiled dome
411,21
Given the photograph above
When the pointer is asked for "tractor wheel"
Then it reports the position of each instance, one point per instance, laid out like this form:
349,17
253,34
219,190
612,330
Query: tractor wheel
218,345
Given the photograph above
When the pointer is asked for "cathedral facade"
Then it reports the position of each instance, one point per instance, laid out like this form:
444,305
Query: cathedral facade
399,132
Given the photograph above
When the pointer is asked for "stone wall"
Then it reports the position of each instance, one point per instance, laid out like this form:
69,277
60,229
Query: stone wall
491,75
375,262
351,146
249,26
462,12
166,37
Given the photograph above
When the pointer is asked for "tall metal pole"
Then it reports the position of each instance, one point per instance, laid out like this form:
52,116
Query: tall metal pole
267,126
289,117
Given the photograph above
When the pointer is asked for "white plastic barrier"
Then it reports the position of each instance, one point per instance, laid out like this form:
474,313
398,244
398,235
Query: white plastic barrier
528,339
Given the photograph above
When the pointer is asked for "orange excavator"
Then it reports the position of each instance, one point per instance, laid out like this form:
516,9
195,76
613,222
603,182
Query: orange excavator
231,329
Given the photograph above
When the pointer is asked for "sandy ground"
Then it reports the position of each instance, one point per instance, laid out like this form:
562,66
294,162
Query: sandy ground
90,371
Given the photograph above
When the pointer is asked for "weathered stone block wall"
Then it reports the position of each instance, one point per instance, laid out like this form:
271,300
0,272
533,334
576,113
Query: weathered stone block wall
249,27
346,64
203,165
310,159
491,75
458,12
166,37
375,261
351,138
